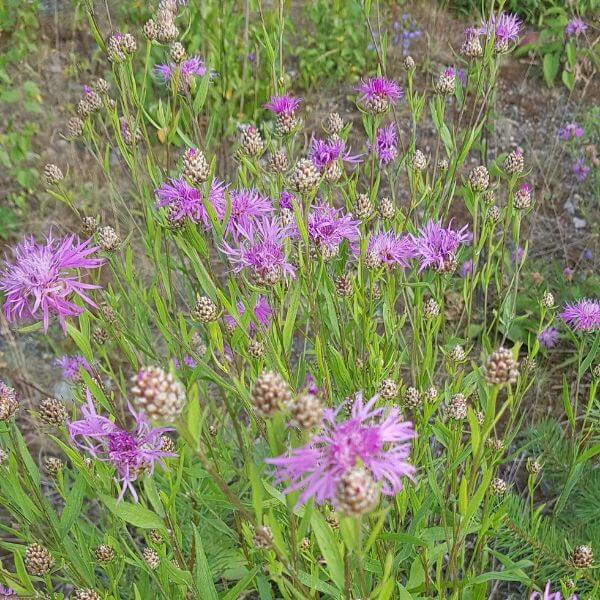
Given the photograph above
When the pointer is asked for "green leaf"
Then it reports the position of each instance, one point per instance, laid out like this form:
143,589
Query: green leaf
329,548
551,65
73,506
135,514
202,573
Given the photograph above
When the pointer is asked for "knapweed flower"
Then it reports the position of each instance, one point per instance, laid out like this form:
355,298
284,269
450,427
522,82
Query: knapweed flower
70,366
286,199
471,47
377,94
262,314
466,268
6,592
188,362
246,204
260,249
285,108
580,170
386,143
329,226
324,153
582,315
571,131
549,594
45,277
436,246
388,248
132,453
504,28
185,72
185,201
374,438
548,337
575,27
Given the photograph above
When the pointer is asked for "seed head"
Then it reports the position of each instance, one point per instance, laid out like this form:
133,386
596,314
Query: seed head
213,430
344,286
38,560
156,537
412,397
90,102
443,164
357,493
522,198
305,177
3,455
333,124
457,407
431,309
8,402
177,52
151,558
479,179
205,310
583,557
480,417
104,554
53,465
501,368
256,349
158,394
547,300
471,47
596,371
286,122
534,466
107,312
86,594
363,207
498,486
252,143
108,239
431,394
457,354
99,335
446,83
388,389
419,162
514,162
89,225
263,537
495,444
306,411
387,210
195,166
409,63
74,128
493,213
101,85
166,29
52,174
150,29
278,162
270,393
167,444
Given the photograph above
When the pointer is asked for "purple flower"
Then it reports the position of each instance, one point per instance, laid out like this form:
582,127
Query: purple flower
70,366
325,152
582,315
375,437
132,453
189,68
504,28
262,314
549,595
185,201
328,226
576,27
378,93
246,204
568,273
286,199
260,248
518,255
6,592
437,246
285,104
580,170
466,268
571,131
391,249
44,278
188,362
548,337
386,143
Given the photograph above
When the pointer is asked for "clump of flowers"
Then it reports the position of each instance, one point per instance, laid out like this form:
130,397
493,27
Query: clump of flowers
376,437
45,277
571,131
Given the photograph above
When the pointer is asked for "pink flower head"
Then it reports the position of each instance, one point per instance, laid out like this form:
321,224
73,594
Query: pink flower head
582,315
328,226
466,268
548,337
286,199
391,249
185,201
262,314
386,143
283,105
325,152
70,366
376,437
580,170
6,592
549,595
132,453
571,131
246,204
188,362
379,92
504,28
437,246
260,248
44,278
576,27
189,68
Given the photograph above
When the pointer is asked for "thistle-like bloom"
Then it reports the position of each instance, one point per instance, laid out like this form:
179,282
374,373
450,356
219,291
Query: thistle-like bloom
188,362
504,28
548,337
132,453
580,170
386,143
324,153
70,366
375,438
188,69
391,249
582,315
286,199
45,277
6,592
571,131
185,201
285,104
246,204
328,226
262,314
378,93
575,27
466,268
260,248
436,246
549,594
